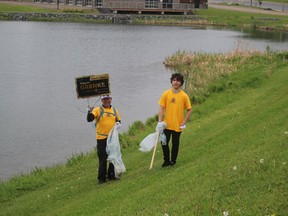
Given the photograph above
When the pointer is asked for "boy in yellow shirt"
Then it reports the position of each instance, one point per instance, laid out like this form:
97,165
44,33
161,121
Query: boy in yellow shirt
173,103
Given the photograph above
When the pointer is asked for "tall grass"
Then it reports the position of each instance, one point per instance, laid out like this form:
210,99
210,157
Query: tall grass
201,70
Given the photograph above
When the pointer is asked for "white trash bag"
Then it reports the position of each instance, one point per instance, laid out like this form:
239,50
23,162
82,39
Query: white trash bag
114,152
148,142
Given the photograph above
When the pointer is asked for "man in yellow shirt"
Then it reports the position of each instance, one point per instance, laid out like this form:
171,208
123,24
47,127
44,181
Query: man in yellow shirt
106,117
173,103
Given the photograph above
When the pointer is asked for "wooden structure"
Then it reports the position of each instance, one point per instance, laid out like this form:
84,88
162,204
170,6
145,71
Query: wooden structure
136,6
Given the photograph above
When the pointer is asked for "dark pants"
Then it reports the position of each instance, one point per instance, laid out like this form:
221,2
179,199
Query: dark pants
175,145
102,156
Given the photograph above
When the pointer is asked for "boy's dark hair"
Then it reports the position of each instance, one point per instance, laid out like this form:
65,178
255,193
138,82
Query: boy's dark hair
178,77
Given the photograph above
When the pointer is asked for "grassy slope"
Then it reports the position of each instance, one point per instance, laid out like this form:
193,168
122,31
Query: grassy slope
218,168
243,19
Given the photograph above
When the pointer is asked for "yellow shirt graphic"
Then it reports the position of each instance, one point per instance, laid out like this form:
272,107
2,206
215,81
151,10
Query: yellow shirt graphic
105,123
174,105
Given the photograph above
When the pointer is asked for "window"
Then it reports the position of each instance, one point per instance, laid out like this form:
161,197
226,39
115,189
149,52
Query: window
167,3
89,3
78,2
99,3
151,3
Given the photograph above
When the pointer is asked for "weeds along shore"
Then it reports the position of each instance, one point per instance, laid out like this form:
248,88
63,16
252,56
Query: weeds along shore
209,74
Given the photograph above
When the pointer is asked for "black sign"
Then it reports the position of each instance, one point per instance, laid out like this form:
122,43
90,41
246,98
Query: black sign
91,86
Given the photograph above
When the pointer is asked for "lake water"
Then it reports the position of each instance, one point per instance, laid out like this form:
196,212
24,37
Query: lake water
42,121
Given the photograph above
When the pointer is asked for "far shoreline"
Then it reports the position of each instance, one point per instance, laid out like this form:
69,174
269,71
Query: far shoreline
244,17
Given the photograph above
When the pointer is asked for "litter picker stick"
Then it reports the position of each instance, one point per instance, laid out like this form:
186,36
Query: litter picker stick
155,147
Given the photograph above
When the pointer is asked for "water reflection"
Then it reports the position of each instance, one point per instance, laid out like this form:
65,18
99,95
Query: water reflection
272,36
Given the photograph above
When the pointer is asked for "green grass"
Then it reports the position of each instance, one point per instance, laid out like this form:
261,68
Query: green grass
73,14
233,157
243,19
256,1
277,1
223,18
202,69
11,8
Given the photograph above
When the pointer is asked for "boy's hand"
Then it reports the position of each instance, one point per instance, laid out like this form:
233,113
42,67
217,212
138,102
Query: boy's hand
183,126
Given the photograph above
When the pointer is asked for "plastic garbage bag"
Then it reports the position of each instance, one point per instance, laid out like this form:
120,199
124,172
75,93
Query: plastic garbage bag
114,152
161,126
148,142
162,138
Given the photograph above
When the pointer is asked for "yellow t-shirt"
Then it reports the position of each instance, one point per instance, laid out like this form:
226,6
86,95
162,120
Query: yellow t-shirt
174,105
106,121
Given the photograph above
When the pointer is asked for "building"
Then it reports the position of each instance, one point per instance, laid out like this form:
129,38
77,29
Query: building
137,6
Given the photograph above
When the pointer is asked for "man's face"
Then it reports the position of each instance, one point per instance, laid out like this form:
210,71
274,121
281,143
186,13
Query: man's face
106,102
176,83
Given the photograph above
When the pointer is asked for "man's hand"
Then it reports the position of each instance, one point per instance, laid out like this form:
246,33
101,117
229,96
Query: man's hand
89,109
118,126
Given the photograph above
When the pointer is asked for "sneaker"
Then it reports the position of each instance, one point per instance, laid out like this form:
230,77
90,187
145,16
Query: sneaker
101,181
173,163
112,178
165,164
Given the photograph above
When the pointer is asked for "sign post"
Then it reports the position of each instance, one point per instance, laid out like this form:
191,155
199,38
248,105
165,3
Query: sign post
92,86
